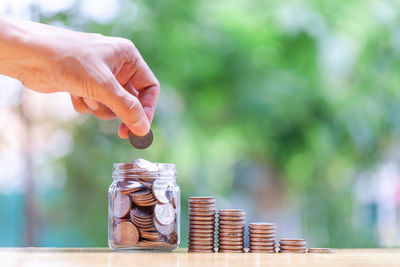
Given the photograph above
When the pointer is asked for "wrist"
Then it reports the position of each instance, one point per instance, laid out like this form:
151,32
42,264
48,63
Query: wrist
20,50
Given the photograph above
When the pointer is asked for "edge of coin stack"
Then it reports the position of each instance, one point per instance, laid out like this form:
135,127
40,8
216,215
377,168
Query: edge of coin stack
201,225
262,237
292,245
231,230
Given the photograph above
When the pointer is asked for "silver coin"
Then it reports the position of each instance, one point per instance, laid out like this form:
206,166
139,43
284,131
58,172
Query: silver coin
164,229
164,213
141,142
145,165
159,191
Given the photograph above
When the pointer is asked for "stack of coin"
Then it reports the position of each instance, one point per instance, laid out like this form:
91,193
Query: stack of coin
262,237
231,230
201,224
290,245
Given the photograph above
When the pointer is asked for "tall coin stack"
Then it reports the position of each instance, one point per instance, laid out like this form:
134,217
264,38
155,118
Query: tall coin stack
262,237
288,245
201,224
231,230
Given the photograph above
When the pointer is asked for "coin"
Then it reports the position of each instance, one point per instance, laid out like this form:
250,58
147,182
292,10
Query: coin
292,251
164,229
141,142
159,191
292,241
164,213
261,225
121,204
125,234
321,250
142,212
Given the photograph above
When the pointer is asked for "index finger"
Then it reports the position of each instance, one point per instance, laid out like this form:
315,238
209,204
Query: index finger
144,81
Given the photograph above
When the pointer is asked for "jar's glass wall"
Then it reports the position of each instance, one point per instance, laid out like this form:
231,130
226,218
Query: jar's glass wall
144,208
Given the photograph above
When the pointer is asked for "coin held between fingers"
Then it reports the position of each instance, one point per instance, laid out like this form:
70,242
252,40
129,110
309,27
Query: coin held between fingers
141,142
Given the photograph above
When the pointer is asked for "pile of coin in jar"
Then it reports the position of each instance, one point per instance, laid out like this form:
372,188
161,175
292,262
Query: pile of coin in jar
143,212
231,232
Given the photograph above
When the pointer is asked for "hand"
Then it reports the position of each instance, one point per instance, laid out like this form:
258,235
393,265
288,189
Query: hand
106,76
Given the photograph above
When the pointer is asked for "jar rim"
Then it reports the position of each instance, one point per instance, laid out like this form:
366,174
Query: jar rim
128,170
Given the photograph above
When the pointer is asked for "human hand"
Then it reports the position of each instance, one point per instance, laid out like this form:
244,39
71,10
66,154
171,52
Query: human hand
106,76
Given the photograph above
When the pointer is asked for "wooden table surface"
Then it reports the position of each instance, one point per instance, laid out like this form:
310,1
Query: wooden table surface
54,257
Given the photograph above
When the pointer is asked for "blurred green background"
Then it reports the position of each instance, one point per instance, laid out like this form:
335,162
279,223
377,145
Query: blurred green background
287,109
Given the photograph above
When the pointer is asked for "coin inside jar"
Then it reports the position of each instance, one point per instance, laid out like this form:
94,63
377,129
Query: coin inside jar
125,234
164,213
141,142
121,204
159,189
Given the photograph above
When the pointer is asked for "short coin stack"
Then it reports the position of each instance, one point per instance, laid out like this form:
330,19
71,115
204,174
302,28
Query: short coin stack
231,230
262,237
321,250
289,245
201,224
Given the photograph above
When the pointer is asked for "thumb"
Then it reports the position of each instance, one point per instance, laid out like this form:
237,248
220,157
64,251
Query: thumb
126,106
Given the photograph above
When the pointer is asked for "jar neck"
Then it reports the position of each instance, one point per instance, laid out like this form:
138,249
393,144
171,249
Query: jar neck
122,171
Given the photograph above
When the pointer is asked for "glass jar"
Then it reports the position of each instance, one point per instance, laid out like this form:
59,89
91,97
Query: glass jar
144,207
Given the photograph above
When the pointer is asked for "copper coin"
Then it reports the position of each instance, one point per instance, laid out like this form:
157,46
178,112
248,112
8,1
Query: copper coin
231,234
231,246
201,231
231,218
261,225
262,231
141,142
230,243
261,236
159,189
262,247
202,200
201,222
129,186
234,239
229,251
208,240
321,250
121,204
262,244
292,244
292,248
292,240
262,251
125,234
253,239
202,214
292,251
164,229
234,212
201,235
235,223
202,247
200,243
201,219
201,226
164,213
228,226
142,212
